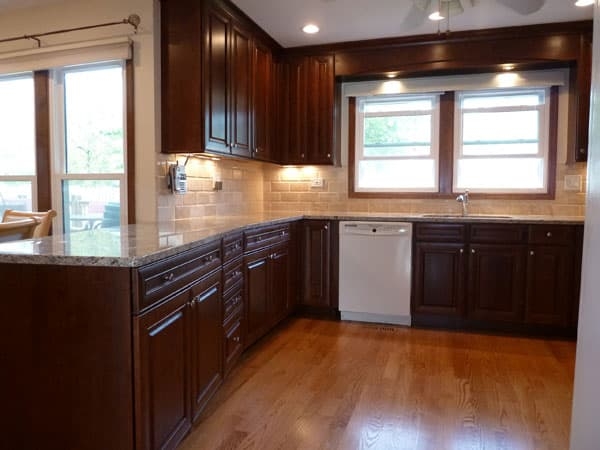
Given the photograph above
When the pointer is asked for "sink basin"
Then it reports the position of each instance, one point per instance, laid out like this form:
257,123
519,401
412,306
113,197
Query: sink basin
469,216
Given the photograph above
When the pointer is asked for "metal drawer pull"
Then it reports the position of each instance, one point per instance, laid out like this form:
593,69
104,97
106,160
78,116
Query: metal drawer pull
549,234
168,277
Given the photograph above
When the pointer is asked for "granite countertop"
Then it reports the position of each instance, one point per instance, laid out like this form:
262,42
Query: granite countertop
136,245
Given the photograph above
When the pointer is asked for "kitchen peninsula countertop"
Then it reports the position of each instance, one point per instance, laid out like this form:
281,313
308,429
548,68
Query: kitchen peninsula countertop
136,245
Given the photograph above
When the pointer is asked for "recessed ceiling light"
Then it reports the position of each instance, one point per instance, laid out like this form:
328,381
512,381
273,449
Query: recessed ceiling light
584,2
310,28
436,16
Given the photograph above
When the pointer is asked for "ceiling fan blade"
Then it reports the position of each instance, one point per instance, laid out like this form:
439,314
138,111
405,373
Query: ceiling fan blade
415,17
523,6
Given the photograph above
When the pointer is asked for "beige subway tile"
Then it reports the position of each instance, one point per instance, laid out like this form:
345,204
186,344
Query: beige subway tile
290,197
278,186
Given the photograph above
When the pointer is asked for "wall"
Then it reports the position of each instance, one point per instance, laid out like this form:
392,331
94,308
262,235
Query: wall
289,189
585,433
74,13
242,191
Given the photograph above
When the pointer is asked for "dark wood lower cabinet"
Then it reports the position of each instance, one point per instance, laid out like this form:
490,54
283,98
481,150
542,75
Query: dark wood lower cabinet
316,267
163,377
256,276
439,274
207,340
508,277
496,276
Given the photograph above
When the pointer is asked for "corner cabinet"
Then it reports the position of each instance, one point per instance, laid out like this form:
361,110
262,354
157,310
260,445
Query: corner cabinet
510,277
306,109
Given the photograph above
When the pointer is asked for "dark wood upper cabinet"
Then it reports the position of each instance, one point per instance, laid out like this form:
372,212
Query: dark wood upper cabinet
262,103
227,84
307,97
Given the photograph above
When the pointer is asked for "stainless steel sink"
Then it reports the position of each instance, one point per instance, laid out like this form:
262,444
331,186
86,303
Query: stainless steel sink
469,216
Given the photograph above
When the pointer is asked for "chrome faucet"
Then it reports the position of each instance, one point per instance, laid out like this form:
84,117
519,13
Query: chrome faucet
464,200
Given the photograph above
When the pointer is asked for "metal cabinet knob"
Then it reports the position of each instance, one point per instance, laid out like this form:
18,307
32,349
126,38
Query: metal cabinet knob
168,277
532,253
461,251
326,227
236,339
473,251
549,234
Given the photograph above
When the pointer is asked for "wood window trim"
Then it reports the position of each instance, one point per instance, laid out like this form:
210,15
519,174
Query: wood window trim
446,157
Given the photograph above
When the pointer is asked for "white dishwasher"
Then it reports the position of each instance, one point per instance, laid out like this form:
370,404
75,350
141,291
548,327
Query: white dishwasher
375,271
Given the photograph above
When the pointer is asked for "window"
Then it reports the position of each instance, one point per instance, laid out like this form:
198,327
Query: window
501,141
17,143
493,134
396,146
90,172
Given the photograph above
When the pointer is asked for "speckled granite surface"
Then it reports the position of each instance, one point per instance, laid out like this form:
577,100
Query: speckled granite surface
136,245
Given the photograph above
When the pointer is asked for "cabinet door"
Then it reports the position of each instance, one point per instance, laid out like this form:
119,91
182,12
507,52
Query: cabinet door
241,88
319,118
496,282
207,337
549,285
296,103
316,263
257,288
439,279
163,415
279,283
262,103
233,345
217,80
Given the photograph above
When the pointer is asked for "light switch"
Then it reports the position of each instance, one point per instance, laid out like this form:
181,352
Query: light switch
573,183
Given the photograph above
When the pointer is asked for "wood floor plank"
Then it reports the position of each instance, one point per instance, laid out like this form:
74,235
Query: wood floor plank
316,384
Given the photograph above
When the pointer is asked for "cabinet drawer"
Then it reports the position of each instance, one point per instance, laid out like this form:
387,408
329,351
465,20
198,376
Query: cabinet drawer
232,348
263,237
232,274
440,232
551,234
498,233
232,301
233,246
162,278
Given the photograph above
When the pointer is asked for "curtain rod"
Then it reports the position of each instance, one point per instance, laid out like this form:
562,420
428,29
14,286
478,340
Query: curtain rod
132,19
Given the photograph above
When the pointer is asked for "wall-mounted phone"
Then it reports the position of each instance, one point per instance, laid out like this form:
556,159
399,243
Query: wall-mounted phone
177,178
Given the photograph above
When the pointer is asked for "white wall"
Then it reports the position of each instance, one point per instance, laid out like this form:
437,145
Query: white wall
585,432
76,13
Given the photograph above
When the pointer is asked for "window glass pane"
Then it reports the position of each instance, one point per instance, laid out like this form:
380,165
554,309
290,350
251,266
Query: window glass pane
512,127
407,174
15,195
17,126
397,136
500,173
89,204
503,100
94,120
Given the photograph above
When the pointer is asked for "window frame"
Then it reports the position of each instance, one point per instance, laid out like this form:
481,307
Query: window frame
59,163
446,155
434,145
543,137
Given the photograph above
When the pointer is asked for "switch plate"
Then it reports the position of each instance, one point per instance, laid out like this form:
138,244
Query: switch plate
573,183
317,183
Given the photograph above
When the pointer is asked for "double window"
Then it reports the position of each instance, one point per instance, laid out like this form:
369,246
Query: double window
86,165
487,140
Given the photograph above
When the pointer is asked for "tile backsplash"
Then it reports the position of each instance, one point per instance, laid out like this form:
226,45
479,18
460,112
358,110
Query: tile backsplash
242,188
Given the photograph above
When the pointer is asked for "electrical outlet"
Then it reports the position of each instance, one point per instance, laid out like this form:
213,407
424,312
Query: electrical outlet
317,183
573,183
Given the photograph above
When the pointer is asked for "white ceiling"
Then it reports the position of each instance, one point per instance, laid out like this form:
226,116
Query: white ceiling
349,20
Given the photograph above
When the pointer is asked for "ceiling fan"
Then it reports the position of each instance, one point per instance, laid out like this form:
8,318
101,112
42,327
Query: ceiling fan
440,9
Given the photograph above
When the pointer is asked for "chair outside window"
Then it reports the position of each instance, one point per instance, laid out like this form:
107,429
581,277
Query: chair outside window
42,219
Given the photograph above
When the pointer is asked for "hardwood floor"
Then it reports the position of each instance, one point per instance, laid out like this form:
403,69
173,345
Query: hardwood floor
337,385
